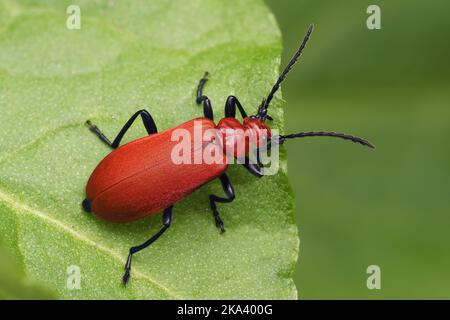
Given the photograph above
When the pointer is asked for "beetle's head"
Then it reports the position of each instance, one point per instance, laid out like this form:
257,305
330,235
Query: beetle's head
258,132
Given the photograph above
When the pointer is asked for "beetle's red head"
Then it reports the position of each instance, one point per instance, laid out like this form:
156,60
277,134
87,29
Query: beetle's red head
259,133
236,138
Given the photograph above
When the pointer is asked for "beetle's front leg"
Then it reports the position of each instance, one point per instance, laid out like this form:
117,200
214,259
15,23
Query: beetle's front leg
230,107
229,192
147,119
255,169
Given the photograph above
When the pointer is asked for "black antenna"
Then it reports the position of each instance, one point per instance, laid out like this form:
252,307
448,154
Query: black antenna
282,138
262,110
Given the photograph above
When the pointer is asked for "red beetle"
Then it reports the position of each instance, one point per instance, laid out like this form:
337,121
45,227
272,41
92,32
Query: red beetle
140,178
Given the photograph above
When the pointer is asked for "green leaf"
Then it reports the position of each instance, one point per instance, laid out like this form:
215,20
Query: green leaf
14,283
126,56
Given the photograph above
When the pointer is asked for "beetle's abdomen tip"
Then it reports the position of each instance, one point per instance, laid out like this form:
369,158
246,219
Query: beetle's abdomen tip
86,205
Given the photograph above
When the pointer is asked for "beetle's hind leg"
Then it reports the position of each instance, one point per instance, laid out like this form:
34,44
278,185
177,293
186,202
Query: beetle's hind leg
147,119
207,107
167,221
229,192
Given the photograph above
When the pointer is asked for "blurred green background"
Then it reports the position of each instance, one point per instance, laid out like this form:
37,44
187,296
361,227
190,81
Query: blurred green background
356,207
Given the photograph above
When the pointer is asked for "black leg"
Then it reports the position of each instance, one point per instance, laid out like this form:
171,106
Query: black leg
255,169
230,107
229,192
147,119
207,107
167,221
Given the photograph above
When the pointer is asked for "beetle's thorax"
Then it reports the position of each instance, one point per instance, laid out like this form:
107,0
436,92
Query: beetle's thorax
236,137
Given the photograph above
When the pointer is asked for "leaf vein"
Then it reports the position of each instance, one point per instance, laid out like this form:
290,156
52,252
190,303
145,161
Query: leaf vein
14,204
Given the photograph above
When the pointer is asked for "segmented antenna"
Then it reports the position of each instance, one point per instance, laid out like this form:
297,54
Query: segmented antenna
262,110
282,138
